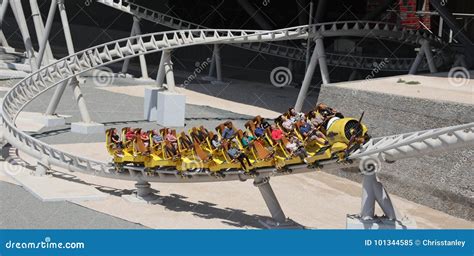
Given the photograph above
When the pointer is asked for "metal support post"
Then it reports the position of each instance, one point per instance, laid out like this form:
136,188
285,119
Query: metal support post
160,76
307,80
263,184
168,67
373,191
3,10
212,68
73,81
254,14
308,41
47,30
20,19
417,61
143,66
217,57
39,27
429,56
322,59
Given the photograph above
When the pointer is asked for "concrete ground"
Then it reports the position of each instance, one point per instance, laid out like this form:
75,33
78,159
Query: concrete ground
317,200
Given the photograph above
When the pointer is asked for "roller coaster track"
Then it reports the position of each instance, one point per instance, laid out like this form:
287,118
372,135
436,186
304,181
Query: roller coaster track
51,75
293,53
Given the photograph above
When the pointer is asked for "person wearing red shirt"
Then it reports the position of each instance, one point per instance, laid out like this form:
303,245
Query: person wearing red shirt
277,133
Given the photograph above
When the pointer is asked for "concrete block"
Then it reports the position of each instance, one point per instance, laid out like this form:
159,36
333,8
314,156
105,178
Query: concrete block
150,104
171,108
50,121
355,222
87,128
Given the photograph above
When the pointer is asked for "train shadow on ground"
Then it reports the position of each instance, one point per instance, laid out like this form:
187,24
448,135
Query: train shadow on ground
178,203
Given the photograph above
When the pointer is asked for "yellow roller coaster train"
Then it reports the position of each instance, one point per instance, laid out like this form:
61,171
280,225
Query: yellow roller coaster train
293,138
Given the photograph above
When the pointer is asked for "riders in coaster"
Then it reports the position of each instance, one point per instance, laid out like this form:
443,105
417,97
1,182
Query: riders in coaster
277,133
228,133
295,116
247,139
296,148
287,124
238,155
115,138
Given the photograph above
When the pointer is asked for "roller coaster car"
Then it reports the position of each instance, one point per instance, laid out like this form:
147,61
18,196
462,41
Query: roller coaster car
336,139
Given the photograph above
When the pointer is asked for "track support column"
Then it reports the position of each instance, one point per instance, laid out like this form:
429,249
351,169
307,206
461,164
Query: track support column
143,66
25,34
429,56
39,27
3,10
322,59
279,218
307,80
143,194
47,30
372,192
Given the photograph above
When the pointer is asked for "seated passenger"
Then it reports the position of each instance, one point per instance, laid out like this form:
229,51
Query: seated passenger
296,148
247,139
259,131
130,134
238,155
277,133
185,141
173,142
287,124
156,137
316,119
228,133
295,116
216,143
264,124
115,138
311,133
327,112
305,129
198,135
144,137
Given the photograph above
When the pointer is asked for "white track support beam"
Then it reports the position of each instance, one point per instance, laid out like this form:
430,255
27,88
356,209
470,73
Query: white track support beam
254,14
39,27
263,184
307,80
218,60
416,63
429,56
3,10
169,74
322,59
212,68
73,82
143,66
25,34
373,191
160,76
47,30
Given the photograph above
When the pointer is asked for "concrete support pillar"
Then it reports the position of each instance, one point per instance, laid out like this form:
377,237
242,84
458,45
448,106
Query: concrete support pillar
322,59
429,56
263,184
3,10
307,80
39,27
25,34
47,30
373,191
